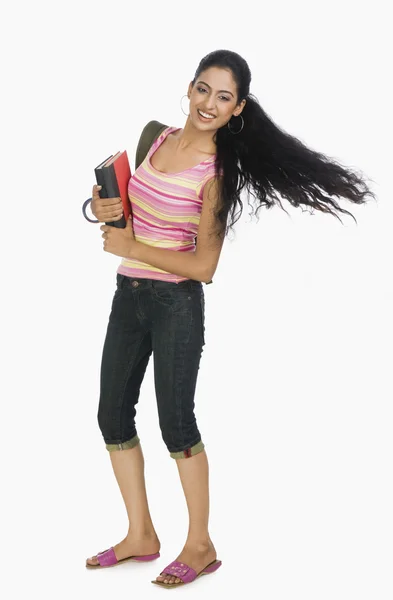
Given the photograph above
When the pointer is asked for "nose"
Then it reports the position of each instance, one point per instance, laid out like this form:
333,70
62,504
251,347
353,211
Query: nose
210,103
210,107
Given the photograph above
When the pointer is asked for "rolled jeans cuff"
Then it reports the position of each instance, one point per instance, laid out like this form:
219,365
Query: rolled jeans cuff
123,445
188,452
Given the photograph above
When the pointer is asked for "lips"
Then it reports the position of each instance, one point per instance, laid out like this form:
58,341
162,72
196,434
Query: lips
206,113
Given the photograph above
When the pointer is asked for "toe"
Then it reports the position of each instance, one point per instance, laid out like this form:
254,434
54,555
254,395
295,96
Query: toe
92,561
168,579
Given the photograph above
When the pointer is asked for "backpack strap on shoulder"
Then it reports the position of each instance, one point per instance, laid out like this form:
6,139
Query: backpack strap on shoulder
150,133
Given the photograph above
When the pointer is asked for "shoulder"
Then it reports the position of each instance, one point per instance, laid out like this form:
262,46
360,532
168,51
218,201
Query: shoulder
209,180
156,131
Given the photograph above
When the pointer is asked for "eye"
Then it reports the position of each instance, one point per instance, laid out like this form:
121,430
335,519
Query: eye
201,89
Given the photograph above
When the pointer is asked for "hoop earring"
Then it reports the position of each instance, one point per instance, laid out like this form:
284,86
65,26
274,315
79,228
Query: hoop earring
181,105
236,132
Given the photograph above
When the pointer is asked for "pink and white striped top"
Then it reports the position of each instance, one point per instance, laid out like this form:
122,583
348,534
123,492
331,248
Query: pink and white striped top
166,209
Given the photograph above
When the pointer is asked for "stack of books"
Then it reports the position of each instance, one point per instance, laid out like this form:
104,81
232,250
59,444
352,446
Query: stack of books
113,175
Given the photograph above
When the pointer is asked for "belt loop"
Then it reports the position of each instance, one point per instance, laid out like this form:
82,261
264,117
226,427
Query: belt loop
121,281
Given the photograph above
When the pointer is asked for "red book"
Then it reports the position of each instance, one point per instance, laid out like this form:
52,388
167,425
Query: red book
113,175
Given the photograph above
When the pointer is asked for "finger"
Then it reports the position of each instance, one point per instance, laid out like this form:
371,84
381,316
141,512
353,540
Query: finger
96,192
110,215
111,202
113,210
104,201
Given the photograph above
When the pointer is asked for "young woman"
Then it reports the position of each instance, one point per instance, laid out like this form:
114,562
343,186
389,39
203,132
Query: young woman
189,183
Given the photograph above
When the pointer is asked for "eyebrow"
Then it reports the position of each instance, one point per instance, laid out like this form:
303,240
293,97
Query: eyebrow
207,85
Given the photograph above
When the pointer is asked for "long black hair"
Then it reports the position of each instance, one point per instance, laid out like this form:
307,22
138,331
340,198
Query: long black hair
264,159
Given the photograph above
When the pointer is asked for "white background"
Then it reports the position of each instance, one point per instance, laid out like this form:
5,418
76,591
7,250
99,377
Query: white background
294,396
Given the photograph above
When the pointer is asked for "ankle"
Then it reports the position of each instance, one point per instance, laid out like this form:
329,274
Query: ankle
199,543
145,533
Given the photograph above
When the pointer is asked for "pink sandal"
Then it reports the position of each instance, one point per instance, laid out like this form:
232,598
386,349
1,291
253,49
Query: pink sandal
186,573
108,559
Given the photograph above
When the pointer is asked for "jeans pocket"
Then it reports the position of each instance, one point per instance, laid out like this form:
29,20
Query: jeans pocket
171,295
117,294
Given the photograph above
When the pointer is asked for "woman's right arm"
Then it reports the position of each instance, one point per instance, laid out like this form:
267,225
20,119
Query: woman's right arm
105,209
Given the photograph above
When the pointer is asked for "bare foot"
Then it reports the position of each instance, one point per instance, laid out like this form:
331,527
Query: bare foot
132,546
195,556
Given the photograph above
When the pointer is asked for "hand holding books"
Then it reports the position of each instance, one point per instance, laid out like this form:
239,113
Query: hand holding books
112,176
105,209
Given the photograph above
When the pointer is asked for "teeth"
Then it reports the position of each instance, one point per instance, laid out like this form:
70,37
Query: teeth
205,115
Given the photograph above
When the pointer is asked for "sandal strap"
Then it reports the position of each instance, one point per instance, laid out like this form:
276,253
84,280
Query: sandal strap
181,570
107,558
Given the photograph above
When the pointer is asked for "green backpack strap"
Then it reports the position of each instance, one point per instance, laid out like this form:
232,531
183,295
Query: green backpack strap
150,133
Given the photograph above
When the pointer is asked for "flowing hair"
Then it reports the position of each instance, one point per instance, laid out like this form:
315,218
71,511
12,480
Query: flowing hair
265,160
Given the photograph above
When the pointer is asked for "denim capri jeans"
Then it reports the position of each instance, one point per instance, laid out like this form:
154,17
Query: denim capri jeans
167,319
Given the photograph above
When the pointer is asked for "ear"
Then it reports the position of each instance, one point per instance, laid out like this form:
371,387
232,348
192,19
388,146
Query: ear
189,89
239,111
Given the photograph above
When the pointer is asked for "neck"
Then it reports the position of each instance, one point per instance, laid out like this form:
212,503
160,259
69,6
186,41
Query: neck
191,137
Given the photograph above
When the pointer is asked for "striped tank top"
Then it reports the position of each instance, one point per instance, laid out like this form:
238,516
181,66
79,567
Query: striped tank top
166,209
